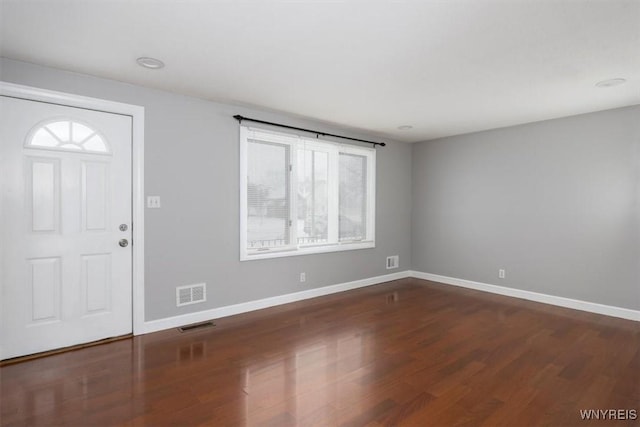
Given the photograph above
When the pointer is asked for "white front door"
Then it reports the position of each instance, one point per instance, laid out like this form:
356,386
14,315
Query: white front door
65,179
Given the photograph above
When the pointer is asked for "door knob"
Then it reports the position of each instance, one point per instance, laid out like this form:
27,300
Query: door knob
123,227
123,242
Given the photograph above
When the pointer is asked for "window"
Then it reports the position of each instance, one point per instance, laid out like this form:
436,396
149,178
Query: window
301,196
67,135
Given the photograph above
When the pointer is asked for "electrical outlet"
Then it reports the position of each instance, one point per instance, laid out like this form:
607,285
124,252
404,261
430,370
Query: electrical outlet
393,262
303,277
153,202
501,274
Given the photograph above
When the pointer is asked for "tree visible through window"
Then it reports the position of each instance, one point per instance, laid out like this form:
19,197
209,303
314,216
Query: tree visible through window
353,197
267,195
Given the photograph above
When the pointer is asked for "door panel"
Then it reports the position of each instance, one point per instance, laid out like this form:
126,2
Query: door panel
95,176
44,286
66,188
44,193
96,283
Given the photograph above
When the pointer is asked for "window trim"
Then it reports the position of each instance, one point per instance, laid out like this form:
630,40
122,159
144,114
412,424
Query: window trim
294,249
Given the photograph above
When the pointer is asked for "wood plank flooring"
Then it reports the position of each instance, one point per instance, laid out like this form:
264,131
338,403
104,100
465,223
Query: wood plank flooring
408,352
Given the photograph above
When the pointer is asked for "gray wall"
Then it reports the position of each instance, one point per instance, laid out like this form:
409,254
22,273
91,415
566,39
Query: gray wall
191,161
554,203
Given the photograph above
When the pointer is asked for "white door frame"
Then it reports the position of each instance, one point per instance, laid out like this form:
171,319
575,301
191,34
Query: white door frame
137,178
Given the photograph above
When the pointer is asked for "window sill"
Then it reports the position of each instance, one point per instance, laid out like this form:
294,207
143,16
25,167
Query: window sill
307,250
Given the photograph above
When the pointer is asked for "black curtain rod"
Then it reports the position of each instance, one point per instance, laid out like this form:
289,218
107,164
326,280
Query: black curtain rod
241,118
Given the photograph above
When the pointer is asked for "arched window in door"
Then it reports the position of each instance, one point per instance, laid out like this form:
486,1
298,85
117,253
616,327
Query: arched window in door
67,135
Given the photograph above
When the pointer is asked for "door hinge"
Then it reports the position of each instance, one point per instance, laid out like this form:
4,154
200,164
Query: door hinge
290,168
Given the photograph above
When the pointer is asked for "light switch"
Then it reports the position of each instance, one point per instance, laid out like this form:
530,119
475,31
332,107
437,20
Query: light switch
153,202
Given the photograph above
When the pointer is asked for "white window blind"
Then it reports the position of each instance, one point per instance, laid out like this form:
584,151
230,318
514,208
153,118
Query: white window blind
353,197
268,207
301,195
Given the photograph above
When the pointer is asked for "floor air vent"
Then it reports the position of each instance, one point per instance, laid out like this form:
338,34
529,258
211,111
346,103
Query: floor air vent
196,326
191,294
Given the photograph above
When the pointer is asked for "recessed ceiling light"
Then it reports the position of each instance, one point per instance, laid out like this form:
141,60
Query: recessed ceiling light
151,63
405,127
611,82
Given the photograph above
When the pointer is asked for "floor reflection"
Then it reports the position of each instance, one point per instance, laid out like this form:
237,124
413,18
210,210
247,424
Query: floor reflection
299,383
387,355
71,388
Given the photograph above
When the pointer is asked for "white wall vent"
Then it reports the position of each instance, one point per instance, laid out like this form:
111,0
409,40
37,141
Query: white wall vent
191,294
393,262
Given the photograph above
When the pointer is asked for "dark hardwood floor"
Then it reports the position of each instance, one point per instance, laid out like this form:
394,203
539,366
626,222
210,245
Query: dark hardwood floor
407,352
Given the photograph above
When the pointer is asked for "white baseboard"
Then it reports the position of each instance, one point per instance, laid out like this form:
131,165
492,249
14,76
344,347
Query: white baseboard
230,310
592,307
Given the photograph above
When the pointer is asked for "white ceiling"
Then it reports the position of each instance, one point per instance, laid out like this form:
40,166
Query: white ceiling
444,67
